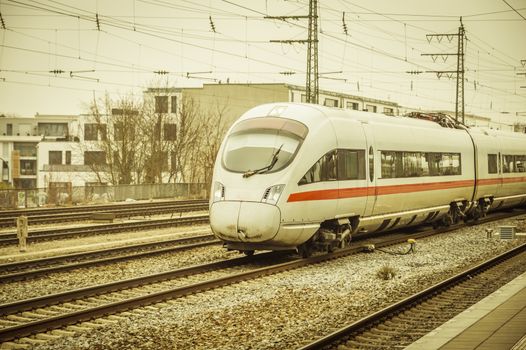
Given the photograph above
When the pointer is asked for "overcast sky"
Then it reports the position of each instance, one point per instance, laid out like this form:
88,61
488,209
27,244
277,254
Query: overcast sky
55,56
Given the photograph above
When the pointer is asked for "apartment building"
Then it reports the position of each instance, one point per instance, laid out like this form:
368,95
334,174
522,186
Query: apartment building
63,151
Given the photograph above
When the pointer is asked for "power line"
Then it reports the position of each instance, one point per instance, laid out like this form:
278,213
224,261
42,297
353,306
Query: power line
514,9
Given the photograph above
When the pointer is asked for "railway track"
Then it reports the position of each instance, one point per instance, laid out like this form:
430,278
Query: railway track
42,314
39,317
402,323
68,214
61,233
38,267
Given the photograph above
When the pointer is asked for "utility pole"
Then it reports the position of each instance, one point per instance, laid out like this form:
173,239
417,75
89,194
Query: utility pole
459,108
311,86
460,73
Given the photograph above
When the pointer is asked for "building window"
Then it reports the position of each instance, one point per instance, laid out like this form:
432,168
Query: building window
173,162
103,132
68,157
118,129
161,104
370,108
90,132
28,167
53,129
351,105
388,111
170,131
173,106
26,149
9,129
94,158
330,102
164,161
55,157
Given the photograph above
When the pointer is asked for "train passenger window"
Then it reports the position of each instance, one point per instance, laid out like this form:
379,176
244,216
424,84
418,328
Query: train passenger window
371,162
351,164
507,164
520,164
450,164
341,164
412,164
391,161
397,164
492,164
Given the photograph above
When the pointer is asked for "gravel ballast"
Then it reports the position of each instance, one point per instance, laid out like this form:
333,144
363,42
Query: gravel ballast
284,310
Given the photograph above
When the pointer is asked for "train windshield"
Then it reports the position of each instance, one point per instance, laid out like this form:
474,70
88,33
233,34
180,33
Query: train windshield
263,145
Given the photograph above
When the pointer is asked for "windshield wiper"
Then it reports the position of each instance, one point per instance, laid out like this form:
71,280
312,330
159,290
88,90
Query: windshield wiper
273,162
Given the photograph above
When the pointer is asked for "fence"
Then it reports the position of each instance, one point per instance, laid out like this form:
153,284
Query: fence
45,197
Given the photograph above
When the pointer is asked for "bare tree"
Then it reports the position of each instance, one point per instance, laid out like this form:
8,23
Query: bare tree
114,151
214,130
185,147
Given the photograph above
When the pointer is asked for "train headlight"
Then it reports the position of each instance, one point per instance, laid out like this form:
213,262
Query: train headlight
272,194
219,191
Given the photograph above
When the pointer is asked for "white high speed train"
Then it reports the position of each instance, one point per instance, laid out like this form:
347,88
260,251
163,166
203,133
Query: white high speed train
309,177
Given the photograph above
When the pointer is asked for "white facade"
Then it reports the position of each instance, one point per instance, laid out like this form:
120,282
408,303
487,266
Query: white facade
50,150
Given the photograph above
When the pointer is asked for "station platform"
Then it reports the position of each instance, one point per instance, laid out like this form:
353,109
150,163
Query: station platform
497,322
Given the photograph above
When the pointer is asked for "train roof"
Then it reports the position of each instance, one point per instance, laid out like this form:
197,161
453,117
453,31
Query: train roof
312,115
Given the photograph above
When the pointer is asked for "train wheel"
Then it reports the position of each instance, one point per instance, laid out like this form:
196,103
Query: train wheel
248,252
305,250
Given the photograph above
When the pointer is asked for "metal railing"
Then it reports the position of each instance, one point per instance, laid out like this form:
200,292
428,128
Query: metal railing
45,197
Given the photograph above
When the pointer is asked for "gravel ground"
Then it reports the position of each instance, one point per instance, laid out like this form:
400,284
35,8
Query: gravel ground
79,244
284,310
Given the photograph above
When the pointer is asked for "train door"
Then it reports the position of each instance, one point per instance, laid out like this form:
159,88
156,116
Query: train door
372,168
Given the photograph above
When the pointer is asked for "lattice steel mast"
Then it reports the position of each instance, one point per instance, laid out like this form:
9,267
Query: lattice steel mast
311,86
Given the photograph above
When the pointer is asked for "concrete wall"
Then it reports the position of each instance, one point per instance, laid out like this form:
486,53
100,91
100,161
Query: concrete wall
237,98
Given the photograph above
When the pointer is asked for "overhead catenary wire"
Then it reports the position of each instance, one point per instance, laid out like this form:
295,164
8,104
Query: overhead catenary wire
120,23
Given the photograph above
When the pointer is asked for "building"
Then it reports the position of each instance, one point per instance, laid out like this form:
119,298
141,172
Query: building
64,151
238,98
19,143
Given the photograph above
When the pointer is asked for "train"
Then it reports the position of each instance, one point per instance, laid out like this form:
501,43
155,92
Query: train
309,177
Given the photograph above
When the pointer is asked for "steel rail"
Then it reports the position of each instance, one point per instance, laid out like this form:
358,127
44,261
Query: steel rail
54,322
10,333
41,235
117,212
95,208
394,309
100,257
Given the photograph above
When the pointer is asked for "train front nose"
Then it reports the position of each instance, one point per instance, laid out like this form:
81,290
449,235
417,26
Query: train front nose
240,221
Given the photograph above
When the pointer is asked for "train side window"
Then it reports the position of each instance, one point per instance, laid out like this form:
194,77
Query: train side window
412,164
507,164
388,164
351,164
519,164
371,164
450,164
323,170
398,164
341,164
492,164
434,160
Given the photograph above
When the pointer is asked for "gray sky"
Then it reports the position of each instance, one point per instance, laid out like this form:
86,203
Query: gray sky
54,58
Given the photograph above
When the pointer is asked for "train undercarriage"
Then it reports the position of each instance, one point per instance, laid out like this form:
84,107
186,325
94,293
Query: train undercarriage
338,233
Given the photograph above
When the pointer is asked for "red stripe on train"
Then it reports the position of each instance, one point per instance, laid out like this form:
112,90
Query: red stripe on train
354,192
